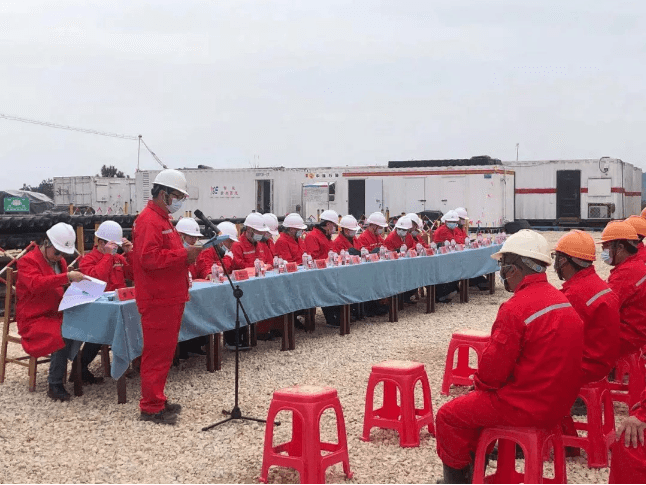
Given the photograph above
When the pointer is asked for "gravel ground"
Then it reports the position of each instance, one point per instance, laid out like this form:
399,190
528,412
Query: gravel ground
94,439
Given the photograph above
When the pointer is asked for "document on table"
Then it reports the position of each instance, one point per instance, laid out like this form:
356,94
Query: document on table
85,291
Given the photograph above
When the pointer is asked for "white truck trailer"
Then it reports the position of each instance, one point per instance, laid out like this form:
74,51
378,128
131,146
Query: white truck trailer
105,195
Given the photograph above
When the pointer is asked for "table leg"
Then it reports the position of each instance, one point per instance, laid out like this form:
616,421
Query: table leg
121,390
310,319
400,301
77,373
465,284
430,299
288,332
394,306
213,354
253,335
492,283
344,328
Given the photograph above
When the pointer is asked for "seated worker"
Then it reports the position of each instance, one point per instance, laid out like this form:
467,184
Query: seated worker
372,236
628,464
345,240
42,276
271,221
397,238
208,258
290,245
639,225
105,264
593,300
462,223
449,230
514,386
247,250
416,234
619,243
189,231
318,242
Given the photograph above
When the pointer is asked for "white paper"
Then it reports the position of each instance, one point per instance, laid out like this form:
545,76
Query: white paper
85,291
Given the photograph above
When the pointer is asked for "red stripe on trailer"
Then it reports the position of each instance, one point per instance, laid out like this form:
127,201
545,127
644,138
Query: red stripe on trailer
426,172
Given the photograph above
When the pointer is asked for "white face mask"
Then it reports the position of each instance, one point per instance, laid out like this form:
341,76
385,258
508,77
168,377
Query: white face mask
414,233
380,231
258,237
451,225
299,233
351,233
605,256
401,233
175,205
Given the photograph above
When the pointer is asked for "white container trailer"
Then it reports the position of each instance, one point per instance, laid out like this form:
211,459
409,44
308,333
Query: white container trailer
106,195
572,191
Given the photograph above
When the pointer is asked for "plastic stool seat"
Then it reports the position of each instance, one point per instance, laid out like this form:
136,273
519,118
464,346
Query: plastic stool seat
406,419
633,367
535,443
304,452
462,340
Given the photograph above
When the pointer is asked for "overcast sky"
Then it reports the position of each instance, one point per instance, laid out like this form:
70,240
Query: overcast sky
318,83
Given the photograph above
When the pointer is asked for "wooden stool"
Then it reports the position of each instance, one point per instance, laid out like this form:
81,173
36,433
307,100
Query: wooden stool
462,341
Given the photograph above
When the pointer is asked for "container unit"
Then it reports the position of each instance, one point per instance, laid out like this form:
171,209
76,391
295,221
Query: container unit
105,195
590,191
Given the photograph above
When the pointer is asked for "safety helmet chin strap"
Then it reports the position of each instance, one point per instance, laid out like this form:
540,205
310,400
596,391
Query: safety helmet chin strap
537,268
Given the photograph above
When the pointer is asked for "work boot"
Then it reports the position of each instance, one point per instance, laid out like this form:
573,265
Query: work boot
454,475
162,417
58,392
173,408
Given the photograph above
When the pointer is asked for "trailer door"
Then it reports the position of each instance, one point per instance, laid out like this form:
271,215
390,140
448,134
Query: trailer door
357,198
414,194
568,194
264,196
453,193
374,196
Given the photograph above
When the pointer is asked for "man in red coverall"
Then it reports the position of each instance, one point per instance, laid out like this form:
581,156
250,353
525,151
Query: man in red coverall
397,238
415,237
449,231
372,237
639,225
628,281
271,221
208,258
513,384
105,264
248,248
628,463
42,274
318,242
290,245
189,231
160,263
348,228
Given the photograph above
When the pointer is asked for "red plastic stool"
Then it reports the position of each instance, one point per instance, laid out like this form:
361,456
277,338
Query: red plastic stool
304,451
633,367
535,444
600,425
462,341
406,419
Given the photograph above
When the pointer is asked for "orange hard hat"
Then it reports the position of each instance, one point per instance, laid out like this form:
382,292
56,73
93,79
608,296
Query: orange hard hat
616,230
577,244
644,213
638,224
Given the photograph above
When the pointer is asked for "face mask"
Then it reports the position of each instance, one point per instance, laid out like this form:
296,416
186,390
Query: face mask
380,231
333,230
258,237
265,238
351,233
414,233
175,205
186,245
605,256
401,233
451,225
506,268
299,233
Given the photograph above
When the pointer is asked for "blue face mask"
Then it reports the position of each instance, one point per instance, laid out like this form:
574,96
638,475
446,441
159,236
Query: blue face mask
605,256
451,225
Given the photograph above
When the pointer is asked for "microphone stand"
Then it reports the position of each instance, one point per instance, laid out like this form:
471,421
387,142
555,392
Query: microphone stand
235,413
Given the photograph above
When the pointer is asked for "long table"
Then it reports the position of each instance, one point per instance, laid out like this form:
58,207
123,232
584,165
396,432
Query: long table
211,309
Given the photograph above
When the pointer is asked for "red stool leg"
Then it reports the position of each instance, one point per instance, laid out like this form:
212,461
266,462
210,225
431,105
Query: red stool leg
463,368
408,432
342,439
448,368
268,447
369,413
428,404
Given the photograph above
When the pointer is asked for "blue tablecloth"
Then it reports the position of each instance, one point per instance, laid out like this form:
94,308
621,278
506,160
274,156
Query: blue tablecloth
212,307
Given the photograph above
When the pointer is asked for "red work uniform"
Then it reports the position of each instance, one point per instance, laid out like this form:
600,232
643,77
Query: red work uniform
114,269
628,281
641,252
245,253
393,242
289,248
39,291
341,242
270,246
412,242
368,240
208,258
628,464
443,233
528,374
598,307
160,264
317,244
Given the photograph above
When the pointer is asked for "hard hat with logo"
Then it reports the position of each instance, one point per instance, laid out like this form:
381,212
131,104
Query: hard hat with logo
294,221
451,216
229,229
526,243
577,244
271,221
256,221
462,213
330,215
416,219
638,224
62,237
349,222
110,231
188,226
618,230
404,222
378,219
172,178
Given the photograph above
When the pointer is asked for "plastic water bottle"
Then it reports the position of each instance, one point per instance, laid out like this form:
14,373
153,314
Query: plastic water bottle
330,257
190,280
419,248
402,251
467,242
364,255
305,256
382,252
310,262
346,258
257,264
452,245
275,261
215,272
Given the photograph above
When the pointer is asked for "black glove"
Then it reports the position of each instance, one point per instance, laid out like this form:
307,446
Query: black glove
354,252
375,251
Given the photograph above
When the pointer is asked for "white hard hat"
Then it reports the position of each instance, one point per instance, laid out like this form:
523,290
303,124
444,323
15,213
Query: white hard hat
256,221
229,229
527,243
462,213
416,219
110,231
271,221
188,226
330,215
378,219
451,216
294,220
349,222
404,222
172,178
62,237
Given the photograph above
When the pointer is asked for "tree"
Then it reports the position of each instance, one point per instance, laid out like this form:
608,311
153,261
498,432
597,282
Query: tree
46,187
111,171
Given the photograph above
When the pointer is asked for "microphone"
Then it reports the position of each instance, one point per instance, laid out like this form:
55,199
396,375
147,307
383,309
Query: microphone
200,215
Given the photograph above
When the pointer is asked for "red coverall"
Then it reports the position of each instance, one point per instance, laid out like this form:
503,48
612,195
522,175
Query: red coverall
207,259
245,253
342,242
411,242
289,248
368,240
628,281
317,244
598,307
271,247
39,291
528,375
641,252
114,269
393,242
628,464
160,264
443,233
